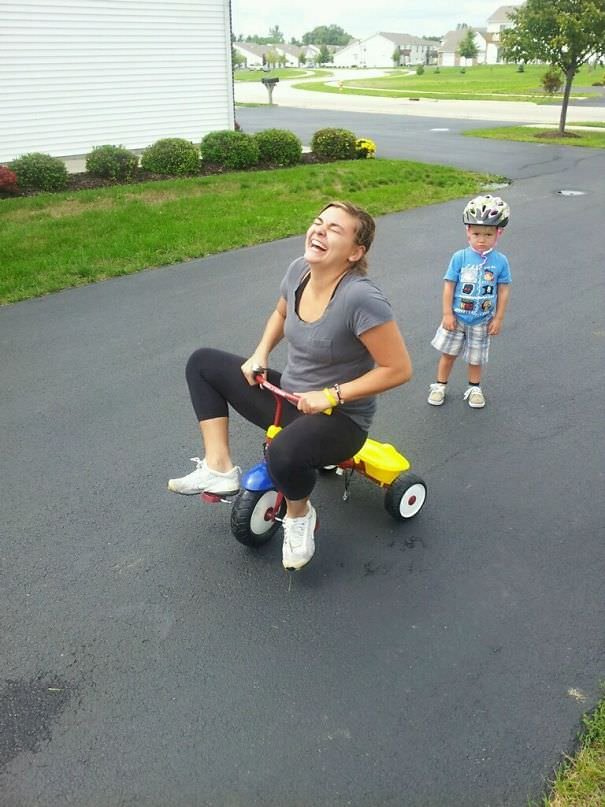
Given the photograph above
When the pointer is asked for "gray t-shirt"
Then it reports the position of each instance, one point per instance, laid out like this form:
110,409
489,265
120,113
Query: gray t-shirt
328,351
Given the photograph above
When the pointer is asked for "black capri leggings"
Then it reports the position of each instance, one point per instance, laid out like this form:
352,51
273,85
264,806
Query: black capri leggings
306,442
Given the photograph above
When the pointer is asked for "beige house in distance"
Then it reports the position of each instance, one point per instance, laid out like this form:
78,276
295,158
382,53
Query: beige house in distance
448,51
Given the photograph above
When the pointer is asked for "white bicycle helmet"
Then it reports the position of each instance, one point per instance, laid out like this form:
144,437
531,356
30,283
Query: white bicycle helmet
487,209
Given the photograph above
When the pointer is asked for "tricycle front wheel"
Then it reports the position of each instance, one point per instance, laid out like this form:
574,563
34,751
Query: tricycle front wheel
253,516
405,497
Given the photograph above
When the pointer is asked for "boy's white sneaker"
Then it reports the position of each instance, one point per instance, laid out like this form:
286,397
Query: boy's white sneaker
299,540
475,397
437,394
205,480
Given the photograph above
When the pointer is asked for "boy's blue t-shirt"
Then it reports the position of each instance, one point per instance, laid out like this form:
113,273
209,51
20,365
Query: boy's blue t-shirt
476,280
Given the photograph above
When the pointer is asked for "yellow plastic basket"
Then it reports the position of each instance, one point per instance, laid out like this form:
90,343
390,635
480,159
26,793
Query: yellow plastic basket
381,461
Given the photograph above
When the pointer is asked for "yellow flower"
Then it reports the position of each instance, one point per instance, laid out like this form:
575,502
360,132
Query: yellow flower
365,148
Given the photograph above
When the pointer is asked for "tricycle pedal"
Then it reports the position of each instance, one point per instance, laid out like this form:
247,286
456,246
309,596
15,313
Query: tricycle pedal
214,498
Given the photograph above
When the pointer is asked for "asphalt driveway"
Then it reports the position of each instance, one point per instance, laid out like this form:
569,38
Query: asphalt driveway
148,659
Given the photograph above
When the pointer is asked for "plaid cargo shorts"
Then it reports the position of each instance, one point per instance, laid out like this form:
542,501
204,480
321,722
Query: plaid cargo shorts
471,340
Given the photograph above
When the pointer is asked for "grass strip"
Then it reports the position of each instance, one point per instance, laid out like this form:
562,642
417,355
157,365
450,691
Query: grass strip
529,134
283,73
413,94
53,241
580,782
480,82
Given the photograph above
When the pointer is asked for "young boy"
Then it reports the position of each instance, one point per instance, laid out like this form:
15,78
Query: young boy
475,295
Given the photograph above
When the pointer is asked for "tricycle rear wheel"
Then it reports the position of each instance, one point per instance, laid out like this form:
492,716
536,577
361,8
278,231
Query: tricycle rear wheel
405,497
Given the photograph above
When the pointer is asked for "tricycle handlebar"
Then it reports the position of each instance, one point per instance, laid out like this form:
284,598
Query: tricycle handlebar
281,393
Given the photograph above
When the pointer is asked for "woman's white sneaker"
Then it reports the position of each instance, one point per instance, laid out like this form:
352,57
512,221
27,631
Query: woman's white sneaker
437,394
299,540
205,480
475,397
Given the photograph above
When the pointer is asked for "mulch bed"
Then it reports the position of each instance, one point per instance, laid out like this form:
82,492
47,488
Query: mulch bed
555,133
84,181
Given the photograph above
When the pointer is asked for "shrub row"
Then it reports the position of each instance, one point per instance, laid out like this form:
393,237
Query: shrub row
172,156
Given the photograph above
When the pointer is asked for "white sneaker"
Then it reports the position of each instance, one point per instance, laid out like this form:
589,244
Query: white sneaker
475,397
299,541
205,480
437,394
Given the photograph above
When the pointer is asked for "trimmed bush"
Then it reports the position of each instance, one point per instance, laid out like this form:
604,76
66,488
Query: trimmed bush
112,162
365,148
230,149
278,146
420,70
552,81
436,70
8,180
173,156
39,172
334,144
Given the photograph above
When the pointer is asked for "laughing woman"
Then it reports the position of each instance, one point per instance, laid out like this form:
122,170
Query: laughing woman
344,348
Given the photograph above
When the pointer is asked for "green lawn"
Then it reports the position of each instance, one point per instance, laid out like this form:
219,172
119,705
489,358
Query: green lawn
529,134
482,82
581,781
53,241
282,73
596,124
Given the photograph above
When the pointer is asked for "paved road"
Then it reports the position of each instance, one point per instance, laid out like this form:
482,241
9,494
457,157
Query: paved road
150,660
286,94
428,139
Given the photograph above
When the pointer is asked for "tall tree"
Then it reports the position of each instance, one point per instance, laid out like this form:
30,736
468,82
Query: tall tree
275,34
562,33
324,55
327,35
468,47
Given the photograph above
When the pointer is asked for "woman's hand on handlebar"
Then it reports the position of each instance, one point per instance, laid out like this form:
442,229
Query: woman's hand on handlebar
254,366
314,402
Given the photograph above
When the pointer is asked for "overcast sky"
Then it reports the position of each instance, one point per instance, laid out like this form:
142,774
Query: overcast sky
360,19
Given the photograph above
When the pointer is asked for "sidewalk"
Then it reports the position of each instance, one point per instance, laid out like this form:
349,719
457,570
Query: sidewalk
286,95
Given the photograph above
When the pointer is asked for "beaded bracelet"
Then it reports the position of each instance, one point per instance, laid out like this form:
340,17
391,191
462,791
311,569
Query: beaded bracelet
338,393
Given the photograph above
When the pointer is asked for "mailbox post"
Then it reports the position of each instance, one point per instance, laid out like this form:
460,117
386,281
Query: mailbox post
270,84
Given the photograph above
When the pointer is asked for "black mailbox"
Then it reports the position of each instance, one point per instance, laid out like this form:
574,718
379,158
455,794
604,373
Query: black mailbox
270,84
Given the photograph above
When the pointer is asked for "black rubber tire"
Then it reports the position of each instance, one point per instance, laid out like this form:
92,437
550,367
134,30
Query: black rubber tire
247,516
395,498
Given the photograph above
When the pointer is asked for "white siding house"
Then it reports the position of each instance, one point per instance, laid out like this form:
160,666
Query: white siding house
377,51
253,54
81,73
497,23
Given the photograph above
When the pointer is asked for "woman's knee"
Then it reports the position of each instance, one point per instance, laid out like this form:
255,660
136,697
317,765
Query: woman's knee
200,358
288,466
204,363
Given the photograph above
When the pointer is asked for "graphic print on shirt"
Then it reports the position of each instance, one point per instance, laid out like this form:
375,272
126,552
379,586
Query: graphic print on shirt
476,278
476,291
